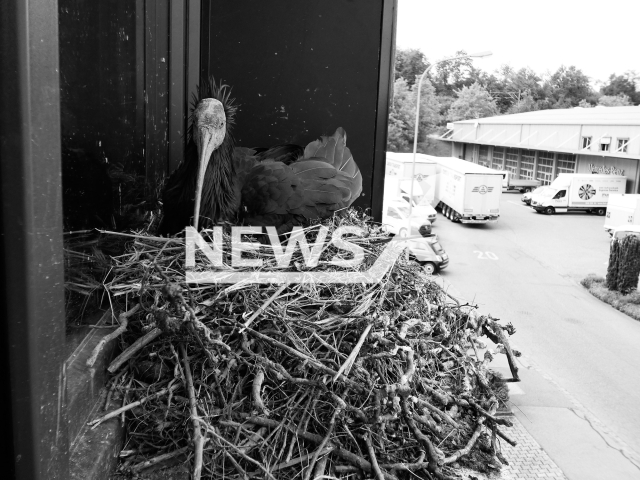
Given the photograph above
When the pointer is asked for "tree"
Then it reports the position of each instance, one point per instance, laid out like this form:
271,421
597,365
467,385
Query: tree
567,86
410,63
526,103
622,85
620,100
452,75
585,104
403,112
473,102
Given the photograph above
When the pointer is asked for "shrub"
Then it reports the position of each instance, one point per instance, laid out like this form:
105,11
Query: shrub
591,279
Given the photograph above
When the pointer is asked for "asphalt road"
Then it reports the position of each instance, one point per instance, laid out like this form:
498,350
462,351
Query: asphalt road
526,269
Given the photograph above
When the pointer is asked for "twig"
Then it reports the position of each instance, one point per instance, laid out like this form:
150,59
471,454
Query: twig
372,455
159,459
198,439
139,344
325,440
263,307
124,320
212,431
257,398
432,454
348,363
436,410
131,405
342,453
467,448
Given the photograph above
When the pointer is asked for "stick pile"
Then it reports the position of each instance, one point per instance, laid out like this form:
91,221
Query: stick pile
301,381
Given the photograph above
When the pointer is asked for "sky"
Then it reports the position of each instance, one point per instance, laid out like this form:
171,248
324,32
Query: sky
598,37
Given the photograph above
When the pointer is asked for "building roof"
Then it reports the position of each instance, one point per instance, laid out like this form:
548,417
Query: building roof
569,116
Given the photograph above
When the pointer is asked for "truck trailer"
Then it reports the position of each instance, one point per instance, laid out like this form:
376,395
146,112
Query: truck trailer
622,210
467,192
586,192
524,185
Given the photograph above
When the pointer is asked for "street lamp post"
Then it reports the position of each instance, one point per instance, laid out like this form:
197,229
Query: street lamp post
415,134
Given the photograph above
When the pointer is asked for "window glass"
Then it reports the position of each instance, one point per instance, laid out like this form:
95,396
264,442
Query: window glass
527,161
393,214
586,143
404,211
483,155
561,194
511,160
545,167
622,145
566,163
498,156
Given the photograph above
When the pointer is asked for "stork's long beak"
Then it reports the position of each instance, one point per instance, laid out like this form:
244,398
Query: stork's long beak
206,146
210,130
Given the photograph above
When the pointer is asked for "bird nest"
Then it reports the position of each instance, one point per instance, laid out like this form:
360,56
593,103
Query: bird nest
306,381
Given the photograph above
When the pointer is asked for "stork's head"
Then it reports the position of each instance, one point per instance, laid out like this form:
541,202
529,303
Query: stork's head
210,128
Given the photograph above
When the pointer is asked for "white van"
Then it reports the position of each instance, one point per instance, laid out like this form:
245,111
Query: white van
579,191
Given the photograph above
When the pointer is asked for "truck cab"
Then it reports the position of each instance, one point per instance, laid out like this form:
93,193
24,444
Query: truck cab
551,200
429,253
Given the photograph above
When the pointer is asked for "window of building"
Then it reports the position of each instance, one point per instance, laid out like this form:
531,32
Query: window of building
604,144
586,143
623,144
483,156
527,161
511,160
497,158
545,167
566,163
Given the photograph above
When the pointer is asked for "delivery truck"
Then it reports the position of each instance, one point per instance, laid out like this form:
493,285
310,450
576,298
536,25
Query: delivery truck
579,192
467,192
622,210
524,185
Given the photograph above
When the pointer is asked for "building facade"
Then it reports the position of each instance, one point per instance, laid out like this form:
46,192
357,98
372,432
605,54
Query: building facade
541,145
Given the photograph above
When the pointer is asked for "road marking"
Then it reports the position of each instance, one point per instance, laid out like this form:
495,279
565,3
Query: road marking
486,255
519,204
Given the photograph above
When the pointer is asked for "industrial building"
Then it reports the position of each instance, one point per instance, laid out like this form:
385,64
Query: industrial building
542,144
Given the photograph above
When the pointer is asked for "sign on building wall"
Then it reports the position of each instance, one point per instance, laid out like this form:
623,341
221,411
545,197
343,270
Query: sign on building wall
605,169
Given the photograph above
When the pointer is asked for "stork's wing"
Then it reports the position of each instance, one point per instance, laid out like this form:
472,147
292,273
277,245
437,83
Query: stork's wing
334,150
286,153
326,180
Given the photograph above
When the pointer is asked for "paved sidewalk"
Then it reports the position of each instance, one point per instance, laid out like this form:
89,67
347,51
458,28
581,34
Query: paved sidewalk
527,460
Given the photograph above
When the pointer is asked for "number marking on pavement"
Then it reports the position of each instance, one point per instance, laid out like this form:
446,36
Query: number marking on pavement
486,255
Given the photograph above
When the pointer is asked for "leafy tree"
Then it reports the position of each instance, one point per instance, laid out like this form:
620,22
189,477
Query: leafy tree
410,63
622,85
620,100
585,104
526,103
566,87
473,102
403,112
452,75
